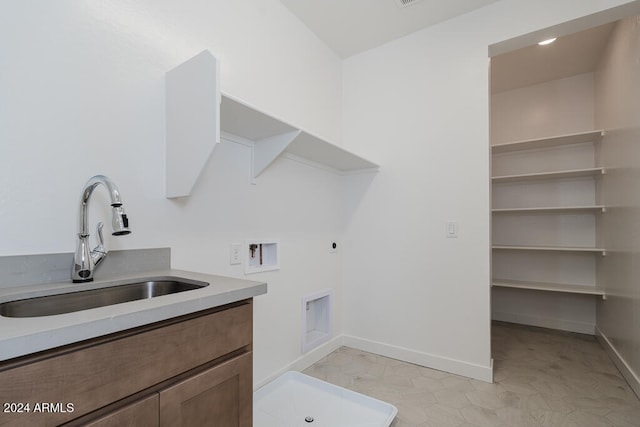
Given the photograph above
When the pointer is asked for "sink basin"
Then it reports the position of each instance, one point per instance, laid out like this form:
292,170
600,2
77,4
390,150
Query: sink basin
84,300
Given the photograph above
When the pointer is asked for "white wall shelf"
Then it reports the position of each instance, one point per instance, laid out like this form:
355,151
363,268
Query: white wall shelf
240,119
576,173
273,137
196,113
554,141
602,251
564,210
517,151
550,287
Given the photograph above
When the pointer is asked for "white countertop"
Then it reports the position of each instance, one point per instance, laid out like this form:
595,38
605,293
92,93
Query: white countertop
22,336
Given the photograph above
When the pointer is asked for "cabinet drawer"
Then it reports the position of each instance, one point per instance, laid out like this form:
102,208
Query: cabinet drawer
105,370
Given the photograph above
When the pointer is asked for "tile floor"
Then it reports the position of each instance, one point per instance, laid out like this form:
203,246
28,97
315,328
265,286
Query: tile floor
541,378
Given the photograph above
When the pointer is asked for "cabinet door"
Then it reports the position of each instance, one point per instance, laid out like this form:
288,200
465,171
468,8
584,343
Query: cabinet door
143,413
220,396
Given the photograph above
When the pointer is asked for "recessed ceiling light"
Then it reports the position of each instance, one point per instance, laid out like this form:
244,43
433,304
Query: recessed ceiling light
546,42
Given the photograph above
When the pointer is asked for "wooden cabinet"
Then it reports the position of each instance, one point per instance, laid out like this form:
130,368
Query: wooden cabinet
193,366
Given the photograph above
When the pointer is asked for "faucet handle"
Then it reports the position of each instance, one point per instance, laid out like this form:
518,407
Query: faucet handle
99,252
100,236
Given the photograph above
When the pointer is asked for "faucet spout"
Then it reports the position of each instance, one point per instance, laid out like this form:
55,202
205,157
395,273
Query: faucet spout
86,260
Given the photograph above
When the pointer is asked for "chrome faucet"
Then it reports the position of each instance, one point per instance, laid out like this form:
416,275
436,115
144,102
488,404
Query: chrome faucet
85,261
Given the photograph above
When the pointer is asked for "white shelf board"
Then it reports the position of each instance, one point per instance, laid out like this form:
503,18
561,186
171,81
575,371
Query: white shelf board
553,210
575,173
240,119
315,149
554,141
550,249
550,287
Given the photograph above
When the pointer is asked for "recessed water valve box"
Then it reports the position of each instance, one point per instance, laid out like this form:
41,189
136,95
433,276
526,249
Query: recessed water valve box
316,319
261,255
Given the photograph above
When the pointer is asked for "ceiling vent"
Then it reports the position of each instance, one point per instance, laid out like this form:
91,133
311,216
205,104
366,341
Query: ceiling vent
406,3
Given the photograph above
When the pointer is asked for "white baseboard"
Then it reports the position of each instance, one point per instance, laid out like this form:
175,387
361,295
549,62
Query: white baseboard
458,367
546,322
628,373
304,361
478,372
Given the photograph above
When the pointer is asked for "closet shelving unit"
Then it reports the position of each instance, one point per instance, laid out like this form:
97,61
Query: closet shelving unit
524,147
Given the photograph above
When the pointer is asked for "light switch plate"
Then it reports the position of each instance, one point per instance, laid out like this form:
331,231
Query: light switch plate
452,229
235,254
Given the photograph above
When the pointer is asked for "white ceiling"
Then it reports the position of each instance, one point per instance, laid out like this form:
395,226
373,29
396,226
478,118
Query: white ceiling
568,56
352,26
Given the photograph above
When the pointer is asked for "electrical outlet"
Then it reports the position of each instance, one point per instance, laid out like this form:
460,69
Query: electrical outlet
235,256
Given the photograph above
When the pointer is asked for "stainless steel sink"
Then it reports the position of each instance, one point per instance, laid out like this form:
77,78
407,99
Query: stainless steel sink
84,300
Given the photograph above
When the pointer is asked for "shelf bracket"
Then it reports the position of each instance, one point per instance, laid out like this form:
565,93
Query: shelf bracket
266,150
192,121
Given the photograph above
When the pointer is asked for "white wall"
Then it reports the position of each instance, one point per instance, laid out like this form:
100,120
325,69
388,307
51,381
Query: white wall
82,92
618,111
420,106
557,107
